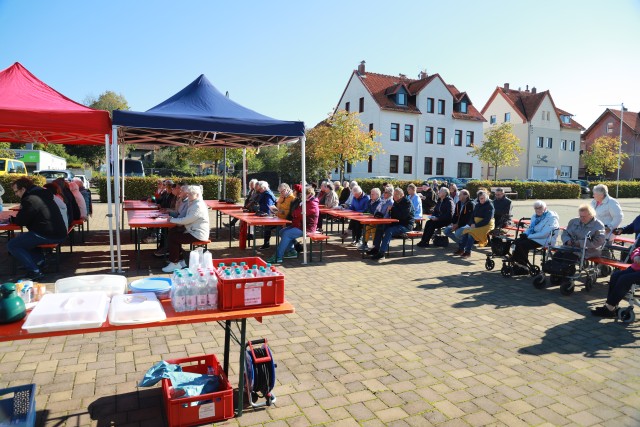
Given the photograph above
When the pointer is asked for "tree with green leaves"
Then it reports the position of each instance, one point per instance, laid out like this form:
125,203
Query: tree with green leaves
108,101
5,151
340,139
601,157
500,147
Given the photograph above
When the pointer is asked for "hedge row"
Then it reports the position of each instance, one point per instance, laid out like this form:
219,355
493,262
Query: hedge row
139,188
625,189
6,180
539,190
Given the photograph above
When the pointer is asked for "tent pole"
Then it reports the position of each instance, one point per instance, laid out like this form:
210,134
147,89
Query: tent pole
244,172
116,186
107,147
303,141
224,175
122,175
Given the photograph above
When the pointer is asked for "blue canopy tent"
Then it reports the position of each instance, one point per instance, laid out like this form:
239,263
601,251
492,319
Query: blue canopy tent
200,116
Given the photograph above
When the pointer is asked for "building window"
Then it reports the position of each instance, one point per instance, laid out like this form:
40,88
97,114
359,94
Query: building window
469,139
566,119
439,166
563,144
465,170
428,135
540,142
349,167
347,106
610,127
492,120
463,107
457,139
408,133
430,104
440,106
408,164
549,142
548,115
393,164
428,165
507,117
370,164
440,137
401,98
565,171
361,105
572,146
395,131
370,127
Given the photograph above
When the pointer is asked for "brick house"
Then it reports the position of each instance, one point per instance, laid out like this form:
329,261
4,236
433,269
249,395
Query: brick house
427,126
608,124
549,136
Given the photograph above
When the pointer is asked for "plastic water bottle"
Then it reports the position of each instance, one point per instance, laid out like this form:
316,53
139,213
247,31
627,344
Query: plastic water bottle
212,292
202,292
192,292
221,268
178,294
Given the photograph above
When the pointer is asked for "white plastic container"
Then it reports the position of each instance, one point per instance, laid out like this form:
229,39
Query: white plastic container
133,309
68,311
110,284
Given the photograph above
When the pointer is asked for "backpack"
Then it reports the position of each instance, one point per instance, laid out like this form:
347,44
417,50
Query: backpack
500,247
561,264
441,241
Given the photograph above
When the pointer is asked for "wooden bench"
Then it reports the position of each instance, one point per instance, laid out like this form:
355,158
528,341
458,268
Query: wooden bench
204,244
609,262
316,237
507,191
55,248
411,235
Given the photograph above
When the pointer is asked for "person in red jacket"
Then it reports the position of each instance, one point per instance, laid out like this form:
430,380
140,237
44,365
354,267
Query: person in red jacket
289,234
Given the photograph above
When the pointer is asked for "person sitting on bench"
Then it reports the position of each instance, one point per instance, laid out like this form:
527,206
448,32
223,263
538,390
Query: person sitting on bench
461,217
619,285
503,209
441,217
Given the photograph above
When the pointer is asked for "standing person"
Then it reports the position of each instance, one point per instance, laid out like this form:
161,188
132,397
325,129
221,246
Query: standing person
442,216
402,210
543,223
193,227
607,208
429,198
482,223
42,217
417,205
503,209
282,209
461,217
289,234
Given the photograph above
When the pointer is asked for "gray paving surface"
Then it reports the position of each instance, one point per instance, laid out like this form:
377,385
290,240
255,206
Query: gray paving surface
414,341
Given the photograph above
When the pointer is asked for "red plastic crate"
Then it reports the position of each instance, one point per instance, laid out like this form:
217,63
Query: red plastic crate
253,292
215,406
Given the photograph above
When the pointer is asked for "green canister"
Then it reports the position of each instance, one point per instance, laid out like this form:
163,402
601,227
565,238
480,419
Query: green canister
12,307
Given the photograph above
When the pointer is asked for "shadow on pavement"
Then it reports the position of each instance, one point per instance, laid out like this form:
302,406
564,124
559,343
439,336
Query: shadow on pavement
143,407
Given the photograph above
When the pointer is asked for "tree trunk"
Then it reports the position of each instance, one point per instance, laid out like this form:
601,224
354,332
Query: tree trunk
495,172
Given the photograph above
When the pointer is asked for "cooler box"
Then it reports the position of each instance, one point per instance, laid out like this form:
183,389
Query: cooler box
63,312
203,409
252,292
111,284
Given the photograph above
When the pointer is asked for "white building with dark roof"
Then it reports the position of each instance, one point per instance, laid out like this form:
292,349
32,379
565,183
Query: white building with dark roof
427,126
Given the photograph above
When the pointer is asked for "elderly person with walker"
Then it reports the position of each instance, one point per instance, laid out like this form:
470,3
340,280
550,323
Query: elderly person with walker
543,224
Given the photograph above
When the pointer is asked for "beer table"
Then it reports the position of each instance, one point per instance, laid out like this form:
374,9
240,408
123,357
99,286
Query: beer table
150,219
251,219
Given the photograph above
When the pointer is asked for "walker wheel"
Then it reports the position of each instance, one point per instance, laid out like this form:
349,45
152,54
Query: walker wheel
506,270
589,281
540,282
567,286
489,264
555,280
627,315
534,270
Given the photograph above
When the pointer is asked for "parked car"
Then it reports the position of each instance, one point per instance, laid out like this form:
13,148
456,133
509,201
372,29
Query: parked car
583,188
52,175
84,180
387,178
451,180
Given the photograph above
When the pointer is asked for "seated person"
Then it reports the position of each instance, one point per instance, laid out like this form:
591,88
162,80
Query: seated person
461,216
193,227
454,193
402,210
417,205
429,198
441,217
481,224
86,195
382,206
359,203
543,223
290,233
250,202
619,285
574,237
503,209
266,199
608,210
345,193
330,201
281,209
43,220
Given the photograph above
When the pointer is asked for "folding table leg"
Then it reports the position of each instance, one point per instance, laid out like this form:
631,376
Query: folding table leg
243,339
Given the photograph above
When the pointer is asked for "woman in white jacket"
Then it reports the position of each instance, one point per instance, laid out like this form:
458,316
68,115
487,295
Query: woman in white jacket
193,227
543,224
607,208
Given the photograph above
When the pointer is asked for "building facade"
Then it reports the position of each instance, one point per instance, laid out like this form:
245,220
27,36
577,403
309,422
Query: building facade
549,136
427,127
608,124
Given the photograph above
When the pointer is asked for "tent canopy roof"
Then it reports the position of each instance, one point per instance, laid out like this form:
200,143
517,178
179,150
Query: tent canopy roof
200,115
31,111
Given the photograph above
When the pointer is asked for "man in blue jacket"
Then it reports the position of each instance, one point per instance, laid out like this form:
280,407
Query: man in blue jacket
441,217
267,199
359,203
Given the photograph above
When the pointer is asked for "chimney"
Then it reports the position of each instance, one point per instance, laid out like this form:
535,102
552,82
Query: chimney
534,90
361,69
402,76
423,75
527,89
506,86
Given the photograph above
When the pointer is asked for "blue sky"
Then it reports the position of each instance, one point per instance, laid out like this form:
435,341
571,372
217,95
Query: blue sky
292,59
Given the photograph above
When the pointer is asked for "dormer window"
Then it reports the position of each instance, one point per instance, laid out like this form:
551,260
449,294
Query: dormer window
464,108
565,119
401,98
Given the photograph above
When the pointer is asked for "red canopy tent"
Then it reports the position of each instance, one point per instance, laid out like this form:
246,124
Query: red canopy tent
31,111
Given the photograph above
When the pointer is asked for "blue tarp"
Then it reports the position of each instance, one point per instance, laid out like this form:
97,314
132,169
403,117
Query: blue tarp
201,107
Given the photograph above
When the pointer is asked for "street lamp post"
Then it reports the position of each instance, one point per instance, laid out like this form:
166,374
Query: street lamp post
620,148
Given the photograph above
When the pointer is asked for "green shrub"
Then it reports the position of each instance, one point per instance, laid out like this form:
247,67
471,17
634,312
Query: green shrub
6,180
540,190
625,188
138,188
